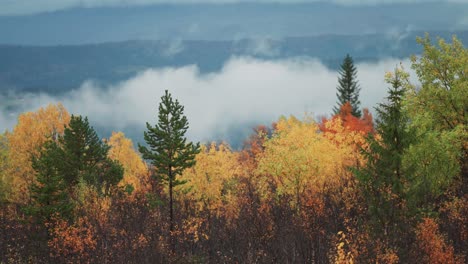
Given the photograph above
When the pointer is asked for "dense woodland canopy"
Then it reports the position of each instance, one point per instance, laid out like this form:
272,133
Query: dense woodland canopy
345,189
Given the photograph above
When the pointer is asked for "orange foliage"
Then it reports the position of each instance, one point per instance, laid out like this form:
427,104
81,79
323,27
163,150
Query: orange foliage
431,245
32,130
346,130
254,145
253,149
388,256
363,125
455,214
72,243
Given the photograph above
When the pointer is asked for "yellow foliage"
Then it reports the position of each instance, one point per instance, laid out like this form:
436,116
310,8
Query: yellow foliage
211,182
135,170
299,158
343,255
32,130
192,227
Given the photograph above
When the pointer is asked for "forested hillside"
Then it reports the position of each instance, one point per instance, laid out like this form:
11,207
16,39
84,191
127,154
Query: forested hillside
352,188
59,69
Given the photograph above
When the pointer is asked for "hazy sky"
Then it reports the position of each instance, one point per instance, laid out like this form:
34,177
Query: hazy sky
13,7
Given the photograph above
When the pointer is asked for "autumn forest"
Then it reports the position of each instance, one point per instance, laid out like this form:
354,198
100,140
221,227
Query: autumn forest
351,188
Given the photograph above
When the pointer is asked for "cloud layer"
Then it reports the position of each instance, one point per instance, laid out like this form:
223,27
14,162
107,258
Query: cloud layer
246,91
19,7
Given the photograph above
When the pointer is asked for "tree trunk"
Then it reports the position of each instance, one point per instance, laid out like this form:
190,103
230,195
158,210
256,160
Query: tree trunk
171,214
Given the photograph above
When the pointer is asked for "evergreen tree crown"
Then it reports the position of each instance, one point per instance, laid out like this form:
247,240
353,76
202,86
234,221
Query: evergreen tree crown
348,88
168,149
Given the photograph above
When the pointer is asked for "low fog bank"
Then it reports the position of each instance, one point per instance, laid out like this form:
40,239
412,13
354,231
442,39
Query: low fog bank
224,105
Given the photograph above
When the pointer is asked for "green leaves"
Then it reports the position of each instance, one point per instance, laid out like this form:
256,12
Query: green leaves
434,164
420,149
442,71
439,113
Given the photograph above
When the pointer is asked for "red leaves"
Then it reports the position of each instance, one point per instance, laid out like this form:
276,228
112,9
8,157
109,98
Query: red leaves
364,125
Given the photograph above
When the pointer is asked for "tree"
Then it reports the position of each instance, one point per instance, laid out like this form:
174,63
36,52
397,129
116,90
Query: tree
211,187
299,160
384,177
439,114
48,193
439,105
348,87
136,173
4,181
431,245
31,132
212,180
169,151
85,157
363,125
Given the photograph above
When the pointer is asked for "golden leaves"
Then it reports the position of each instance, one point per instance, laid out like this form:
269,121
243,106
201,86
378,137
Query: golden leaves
299,157
135,170
211,182
32,130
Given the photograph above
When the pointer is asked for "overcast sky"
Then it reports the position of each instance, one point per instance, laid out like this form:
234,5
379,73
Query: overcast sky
15,7
121,20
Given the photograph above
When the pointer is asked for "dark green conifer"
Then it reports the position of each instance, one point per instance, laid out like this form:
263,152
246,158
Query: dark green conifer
348,87
85,157
384,179
169,151
48,193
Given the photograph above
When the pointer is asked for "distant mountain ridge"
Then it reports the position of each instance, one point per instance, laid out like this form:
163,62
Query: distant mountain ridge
57,69
218,21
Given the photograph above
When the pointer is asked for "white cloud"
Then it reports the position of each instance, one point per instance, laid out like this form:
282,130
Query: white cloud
18,7
263,47
172,47
246,90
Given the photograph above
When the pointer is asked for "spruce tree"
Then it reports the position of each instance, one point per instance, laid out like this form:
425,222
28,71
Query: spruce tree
348,87
85,157
383,180
48,193
168,149
76,156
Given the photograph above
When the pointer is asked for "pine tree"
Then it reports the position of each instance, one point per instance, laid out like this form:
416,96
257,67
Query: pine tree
169,151
348,87
85,157
384,177
48,193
